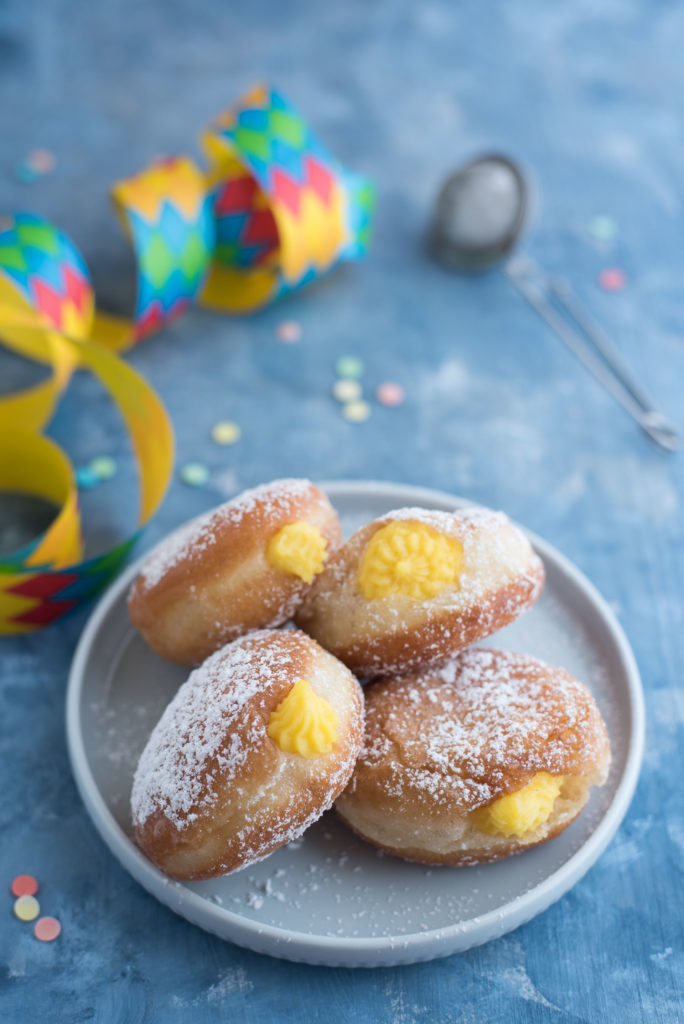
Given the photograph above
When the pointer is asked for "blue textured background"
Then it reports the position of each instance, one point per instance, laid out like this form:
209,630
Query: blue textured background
587,94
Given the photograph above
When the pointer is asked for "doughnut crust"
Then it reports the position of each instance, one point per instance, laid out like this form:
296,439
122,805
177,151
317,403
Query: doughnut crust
211,581
499,576
212,791
443,743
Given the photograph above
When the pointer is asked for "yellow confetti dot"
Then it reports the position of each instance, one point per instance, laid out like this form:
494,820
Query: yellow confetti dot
347,390
356,412
26,908
225,432
103,466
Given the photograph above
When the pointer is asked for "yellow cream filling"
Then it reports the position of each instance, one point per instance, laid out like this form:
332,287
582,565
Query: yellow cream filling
523,811
409,558
298,548
304,723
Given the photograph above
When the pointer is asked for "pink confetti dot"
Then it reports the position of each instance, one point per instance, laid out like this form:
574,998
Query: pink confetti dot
41,160
24,885
288,331
612,279
390,393
47,929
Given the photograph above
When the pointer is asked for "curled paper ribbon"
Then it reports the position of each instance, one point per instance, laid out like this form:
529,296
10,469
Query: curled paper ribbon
46,312
286,211
274,211
167,214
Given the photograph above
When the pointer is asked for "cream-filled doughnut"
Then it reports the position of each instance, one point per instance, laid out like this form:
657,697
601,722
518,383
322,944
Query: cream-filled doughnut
245,565
477,759
253,748
416,586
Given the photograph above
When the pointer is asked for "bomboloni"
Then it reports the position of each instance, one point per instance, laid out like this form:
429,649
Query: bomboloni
253,748
483,757
416,586
246,565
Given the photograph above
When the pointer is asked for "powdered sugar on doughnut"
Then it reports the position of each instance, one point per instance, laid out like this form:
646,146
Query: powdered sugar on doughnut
197,726
200,534
472,729
210,754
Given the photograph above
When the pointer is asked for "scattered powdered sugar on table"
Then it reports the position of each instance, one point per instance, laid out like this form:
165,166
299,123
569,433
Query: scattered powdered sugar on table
229,981
519,983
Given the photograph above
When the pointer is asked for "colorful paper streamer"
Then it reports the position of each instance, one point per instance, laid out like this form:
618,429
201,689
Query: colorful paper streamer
46,313
286,210
273,212
167,215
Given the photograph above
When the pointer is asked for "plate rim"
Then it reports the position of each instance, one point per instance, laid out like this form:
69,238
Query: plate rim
298,945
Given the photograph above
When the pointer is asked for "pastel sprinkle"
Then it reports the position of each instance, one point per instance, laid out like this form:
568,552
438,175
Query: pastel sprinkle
47,929
390,393
195,474
41,160
603,228
24,885
288,331
103,466
356,412
349,366
26,908
86,478
346,390
612,279
225,432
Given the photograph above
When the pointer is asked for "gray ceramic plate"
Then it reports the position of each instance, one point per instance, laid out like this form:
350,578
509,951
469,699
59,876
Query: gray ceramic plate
329,898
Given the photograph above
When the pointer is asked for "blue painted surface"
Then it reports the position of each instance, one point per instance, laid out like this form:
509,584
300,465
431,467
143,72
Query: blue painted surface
587,95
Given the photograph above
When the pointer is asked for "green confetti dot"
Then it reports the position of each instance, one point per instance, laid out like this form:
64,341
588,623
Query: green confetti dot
195,474
603,228
349,366
103,466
